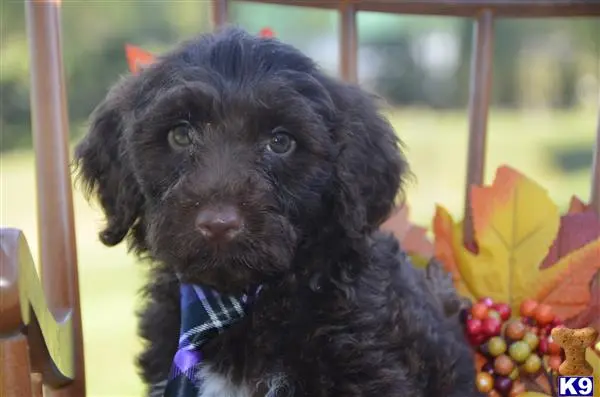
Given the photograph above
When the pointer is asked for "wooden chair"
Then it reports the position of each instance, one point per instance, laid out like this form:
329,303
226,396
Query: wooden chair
41,343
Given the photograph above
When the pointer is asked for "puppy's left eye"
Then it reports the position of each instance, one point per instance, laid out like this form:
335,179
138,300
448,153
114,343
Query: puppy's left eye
281,142
180,137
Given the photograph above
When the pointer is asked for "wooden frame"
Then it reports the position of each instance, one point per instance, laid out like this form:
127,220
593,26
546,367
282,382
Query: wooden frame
458,8
40,331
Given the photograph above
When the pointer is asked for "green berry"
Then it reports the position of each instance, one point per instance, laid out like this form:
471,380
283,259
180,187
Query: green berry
519,351
532,364
532,340
496,346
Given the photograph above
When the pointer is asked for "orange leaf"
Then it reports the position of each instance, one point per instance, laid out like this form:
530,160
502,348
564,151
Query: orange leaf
398,222
577,206
590,315
266,32
137,58
413,238
416,241
569,292
447,242
443,230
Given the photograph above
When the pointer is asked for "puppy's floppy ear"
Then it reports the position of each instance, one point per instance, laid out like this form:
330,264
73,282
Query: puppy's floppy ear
370,165
103,167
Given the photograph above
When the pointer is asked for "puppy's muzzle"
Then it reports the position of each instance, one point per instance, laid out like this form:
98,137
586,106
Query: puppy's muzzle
219,223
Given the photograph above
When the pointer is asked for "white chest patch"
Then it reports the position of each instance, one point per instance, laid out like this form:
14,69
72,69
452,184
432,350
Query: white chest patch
217,385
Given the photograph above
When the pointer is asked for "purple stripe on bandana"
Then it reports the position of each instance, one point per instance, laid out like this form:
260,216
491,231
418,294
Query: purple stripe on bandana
186,359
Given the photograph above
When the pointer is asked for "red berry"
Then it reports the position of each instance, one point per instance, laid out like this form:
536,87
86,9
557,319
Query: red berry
479,310
503,310
491,327
557,322
473,326
503,365
543,314
528,307
487,301
476,339
553,348
543,346
515,330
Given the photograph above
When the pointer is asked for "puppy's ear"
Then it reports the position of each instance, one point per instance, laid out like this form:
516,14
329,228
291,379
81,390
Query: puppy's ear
370,164
103,167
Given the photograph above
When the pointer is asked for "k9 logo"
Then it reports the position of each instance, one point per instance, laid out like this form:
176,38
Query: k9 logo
575,386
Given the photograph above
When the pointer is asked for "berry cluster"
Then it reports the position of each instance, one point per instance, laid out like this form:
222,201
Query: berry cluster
511,347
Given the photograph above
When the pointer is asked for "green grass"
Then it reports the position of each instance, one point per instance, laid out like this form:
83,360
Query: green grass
436,146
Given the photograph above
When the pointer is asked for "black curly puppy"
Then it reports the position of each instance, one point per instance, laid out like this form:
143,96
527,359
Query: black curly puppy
232,162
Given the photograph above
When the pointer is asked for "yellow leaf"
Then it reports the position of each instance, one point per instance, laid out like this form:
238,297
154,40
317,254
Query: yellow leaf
419,261
515,223
593,359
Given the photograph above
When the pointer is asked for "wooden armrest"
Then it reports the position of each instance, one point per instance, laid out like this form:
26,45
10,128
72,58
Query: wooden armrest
23,309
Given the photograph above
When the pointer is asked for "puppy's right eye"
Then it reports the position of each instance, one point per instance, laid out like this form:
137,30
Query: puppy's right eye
180,137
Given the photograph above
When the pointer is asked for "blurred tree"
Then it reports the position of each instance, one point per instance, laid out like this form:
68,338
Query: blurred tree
94,34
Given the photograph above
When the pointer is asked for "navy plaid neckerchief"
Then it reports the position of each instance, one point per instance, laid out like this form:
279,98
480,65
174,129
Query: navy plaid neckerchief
204,314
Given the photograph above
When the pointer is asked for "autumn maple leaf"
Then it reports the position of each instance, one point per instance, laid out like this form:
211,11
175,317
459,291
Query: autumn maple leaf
137,58
266,32
412,238
587,313
448,236
515,225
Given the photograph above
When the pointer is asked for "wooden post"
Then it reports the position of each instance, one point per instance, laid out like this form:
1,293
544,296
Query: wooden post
50,125
219,13
15,367
348,42
479,102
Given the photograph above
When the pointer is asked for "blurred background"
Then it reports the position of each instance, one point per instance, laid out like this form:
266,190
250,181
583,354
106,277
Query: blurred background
544,114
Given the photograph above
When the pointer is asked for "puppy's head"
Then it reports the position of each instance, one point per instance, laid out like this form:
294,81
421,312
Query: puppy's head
227,154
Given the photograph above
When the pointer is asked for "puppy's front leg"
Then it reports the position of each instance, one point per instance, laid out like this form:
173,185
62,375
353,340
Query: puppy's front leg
159,327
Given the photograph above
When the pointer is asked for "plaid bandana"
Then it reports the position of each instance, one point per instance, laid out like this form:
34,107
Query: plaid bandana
204,314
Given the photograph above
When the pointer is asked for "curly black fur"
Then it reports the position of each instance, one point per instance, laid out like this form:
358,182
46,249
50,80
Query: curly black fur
342,312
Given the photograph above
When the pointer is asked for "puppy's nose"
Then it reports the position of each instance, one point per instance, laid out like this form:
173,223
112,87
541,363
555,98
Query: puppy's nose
219,223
